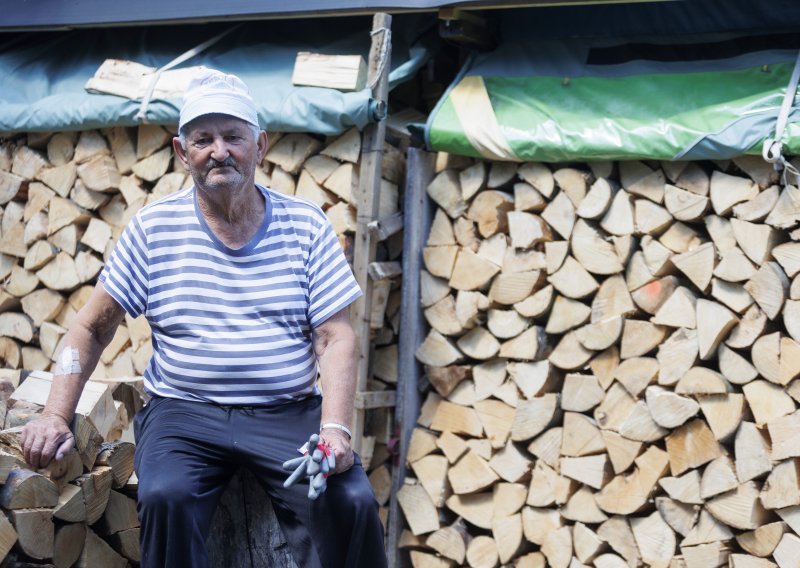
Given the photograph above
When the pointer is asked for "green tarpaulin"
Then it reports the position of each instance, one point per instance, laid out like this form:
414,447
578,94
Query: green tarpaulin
559,98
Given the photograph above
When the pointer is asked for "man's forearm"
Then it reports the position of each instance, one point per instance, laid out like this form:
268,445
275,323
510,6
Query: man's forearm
337,367
73,369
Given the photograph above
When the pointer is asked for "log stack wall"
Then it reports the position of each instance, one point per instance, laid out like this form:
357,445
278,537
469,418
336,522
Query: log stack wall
66,197
612,365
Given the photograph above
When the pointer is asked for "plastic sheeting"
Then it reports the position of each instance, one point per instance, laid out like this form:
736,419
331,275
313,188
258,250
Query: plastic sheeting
44,73
709,96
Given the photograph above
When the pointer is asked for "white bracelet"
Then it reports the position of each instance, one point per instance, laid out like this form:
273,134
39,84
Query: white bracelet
337,426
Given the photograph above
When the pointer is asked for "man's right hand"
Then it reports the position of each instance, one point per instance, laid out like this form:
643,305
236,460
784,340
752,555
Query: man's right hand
46,438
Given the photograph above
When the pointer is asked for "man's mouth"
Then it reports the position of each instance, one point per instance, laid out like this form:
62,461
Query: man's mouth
220,165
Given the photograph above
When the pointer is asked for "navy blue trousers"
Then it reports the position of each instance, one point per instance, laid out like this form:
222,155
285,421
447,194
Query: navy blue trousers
186,452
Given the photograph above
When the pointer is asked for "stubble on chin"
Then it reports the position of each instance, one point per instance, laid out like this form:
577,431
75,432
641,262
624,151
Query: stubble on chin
216,178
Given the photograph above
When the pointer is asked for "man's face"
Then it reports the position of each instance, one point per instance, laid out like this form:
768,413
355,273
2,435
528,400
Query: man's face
221,152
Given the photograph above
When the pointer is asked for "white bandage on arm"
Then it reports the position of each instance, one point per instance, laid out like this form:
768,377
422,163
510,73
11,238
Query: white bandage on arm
69,362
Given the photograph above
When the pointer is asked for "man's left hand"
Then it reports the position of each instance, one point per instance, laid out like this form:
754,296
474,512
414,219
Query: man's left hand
339,444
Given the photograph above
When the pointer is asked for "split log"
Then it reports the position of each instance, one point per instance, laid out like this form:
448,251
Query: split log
707,529
783,432
418,509
755,240
35,531
597,200
753,453
96,552
668,409
626,494
482,552
781,488
655,539
8,536
762,541
679,516
71,505
727,191
690,446
25,489
582,508
739,508
617,533
593,471
719,477
539,176
68,544
618,220
96,487
769,288
489,211
449,542
734,267
446,192
713,324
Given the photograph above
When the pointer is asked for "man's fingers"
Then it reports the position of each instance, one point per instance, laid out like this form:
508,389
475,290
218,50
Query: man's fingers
341,455
43,439
35,459
48,451
65,447
29,449
53,447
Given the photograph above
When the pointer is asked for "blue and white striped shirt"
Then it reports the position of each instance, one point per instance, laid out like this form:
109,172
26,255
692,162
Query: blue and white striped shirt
230,326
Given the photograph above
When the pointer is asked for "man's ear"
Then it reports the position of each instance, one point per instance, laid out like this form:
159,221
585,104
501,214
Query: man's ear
180,152
263,145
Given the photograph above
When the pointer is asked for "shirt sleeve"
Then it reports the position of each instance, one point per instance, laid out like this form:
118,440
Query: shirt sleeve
125,275
331,284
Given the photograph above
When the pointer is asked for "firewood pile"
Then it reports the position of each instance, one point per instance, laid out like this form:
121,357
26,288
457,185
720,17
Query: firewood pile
66,197
81,510
613,353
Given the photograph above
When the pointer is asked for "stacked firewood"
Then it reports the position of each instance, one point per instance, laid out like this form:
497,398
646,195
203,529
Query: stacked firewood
613,354
81,510
66,197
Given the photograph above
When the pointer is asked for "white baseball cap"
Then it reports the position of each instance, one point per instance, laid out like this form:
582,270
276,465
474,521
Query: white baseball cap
211,91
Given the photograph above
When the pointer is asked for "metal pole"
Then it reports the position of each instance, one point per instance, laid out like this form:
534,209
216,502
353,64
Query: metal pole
417,212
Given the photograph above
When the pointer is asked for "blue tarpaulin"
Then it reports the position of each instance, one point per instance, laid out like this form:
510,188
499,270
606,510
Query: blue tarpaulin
44,74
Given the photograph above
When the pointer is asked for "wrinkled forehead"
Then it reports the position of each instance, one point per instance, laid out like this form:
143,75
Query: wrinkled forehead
216,123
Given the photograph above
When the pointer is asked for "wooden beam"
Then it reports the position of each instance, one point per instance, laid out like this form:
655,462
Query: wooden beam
384,228
380,57
466,28
375,399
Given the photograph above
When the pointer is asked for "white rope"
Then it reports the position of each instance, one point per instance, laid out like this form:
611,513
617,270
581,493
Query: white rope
142,114
772,150
384,54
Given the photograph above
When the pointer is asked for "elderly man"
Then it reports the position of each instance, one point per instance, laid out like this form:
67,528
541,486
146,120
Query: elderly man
246,291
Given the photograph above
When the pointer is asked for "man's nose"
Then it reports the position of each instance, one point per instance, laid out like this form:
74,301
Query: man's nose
219,149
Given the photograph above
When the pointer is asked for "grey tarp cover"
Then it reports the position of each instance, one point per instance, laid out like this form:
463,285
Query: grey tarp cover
43,74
